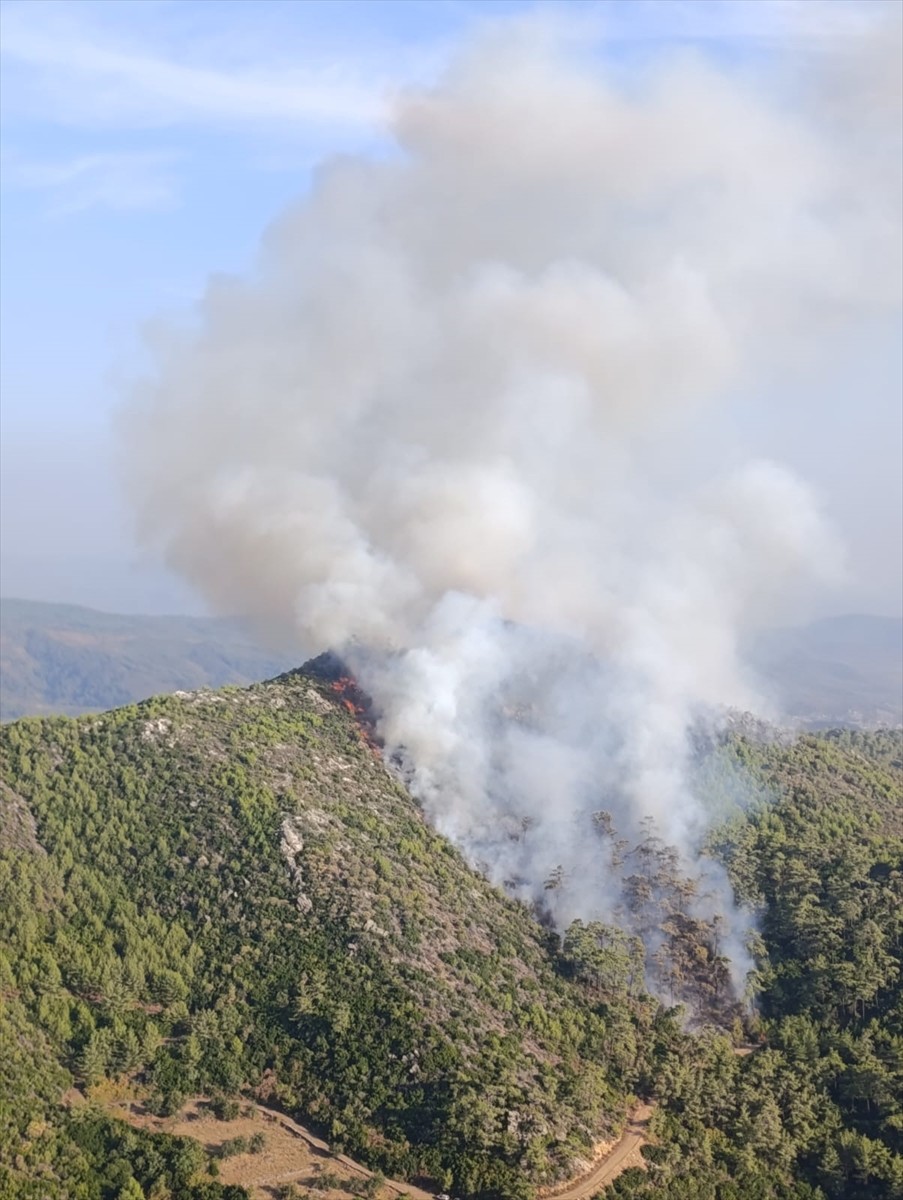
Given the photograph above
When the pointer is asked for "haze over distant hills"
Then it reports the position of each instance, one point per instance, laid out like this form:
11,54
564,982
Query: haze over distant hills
58,658
61,658
837,671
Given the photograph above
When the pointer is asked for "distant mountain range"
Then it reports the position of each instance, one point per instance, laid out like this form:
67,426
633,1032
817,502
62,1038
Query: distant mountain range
57,658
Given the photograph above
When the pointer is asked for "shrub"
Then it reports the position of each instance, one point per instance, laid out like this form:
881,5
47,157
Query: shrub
224,1108
236,1145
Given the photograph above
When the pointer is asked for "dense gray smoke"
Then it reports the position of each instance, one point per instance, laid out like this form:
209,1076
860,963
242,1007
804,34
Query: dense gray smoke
456,427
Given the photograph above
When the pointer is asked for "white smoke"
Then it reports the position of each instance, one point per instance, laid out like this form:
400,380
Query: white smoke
441,430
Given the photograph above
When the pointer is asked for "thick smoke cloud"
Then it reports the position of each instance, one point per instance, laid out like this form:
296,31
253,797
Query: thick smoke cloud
453,426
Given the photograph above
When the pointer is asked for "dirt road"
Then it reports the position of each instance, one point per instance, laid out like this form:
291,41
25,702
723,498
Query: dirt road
284,1162
623,1154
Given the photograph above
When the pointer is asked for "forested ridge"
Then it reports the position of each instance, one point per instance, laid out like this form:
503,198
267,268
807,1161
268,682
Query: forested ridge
227,893
228,890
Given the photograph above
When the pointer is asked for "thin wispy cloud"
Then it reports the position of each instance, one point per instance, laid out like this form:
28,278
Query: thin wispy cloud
214,66
77,70
120,181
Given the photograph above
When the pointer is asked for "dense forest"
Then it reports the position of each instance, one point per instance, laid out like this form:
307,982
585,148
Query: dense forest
817,1109
226,893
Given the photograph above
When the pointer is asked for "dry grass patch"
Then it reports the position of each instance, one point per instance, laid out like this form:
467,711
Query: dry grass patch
290,1154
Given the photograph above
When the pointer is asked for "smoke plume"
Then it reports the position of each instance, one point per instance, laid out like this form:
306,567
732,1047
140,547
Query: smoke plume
456,426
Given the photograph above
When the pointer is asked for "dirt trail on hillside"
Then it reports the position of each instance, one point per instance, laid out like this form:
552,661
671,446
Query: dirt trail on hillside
616,1159
282,1163
625,1153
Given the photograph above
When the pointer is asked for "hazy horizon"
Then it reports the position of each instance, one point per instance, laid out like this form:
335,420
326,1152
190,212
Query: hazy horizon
204,612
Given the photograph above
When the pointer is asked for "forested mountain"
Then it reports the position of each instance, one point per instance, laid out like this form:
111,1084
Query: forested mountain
228,890
61,658
227,893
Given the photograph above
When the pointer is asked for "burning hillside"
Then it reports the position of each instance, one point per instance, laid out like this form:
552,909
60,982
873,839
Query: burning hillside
480,421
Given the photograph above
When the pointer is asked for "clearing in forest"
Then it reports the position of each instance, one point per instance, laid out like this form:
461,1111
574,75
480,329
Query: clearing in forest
291,1153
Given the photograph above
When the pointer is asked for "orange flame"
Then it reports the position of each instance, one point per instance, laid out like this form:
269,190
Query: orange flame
358,705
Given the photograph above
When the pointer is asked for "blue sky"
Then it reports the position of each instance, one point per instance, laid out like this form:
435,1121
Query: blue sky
146,146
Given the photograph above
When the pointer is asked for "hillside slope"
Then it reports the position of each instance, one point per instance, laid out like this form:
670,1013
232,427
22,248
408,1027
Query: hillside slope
60,658
226,893
815,1112
227,890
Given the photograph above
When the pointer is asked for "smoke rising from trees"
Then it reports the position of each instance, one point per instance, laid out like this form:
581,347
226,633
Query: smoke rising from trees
455,424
